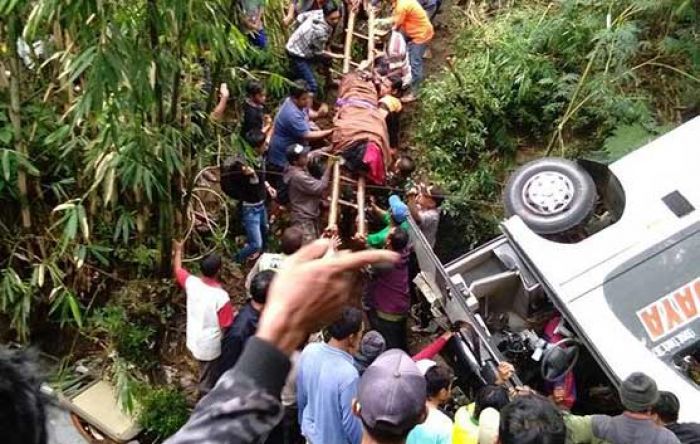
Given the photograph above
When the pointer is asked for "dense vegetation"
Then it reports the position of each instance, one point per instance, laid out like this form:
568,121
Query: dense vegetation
568,78
104,130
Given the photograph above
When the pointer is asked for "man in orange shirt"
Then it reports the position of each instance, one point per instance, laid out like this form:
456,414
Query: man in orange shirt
410,18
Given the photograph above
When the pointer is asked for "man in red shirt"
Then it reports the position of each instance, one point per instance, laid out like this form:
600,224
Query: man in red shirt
209,313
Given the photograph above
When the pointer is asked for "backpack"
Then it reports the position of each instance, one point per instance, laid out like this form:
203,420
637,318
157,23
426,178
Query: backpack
230,177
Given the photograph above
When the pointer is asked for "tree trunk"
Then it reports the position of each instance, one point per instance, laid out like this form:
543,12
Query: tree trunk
16,119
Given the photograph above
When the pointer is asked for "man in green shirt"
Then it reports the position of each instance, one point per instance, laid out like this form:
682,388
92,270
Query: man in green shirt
396,216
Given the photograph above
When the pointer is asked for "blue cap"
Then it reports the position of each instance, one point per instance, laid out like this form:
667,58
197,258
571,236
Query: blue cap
398,209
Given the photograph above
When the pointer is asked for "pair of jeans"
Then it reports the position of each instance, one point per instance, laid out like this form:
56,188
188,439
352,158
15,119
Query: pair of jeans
416,51
303,69
254,218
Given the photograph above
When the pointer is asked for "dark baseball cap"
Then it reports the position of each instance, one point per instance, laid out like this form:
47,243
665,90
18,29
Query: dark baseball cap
372,345
295,151
392,394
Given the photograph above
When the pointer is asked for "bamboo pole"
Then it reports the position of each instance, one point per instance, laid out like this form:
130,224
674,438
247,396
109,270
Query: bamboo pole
361,220
370,31
335,197
348,42
16,119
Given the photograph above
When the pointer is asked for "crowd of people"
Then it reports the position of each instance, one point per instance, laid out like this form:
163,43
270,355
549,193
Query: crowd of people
346,389
304,360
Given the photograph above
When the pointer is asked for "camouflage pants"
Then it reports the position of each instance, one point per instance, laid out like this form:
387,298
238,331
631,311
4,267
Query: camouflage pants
310,230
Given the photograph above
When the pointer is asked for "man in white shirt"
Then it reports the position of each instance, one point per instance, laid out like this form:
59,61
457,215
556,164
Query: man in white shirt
437,428
209,313
292,239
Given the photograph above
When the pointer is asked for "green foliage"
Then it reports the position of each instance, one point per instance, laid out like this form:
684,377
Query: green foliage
566,78
163,410
626,139
110,125
133,341
125,384
16,301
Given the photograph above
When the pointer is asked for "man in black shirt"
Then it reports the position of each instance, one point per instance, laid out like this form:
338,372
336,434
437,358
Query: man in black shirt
254,117
244,325
666,409
248,184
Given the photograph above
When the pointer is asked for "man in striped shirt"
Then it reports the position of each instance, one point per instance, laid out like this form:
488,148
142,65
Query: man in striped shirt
307,45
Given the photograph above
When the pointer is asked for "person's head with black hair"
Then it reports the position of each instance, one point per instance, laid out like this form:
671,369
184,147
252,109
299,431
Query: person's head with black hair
404,166
211,265
531,419
438,380
431,196
259,287
346,332
667,408
256,139
292,240
494,396
255,92
396,86
331,13
22,414
301,94
397,239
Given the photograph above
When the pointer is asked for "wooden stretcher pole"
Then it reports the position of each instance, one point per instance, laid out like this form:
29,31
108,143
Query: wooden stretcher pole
370,31
361,220
335,196
348,42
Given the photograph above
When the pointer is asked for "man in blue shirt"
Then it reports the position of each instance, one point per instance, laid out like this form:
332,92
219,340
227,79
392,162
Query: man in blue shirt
291,127
327,383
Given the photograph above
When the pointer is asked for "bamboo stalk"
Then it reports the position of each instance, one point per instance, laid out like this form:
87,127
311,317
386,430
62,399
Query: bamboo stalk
16,119
348,42
335,197
370,30
361,220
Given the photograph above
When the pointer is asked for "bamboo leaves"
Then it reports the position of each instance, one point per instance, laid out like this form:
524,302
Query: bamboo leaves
16,301
73,218
113,122
66,305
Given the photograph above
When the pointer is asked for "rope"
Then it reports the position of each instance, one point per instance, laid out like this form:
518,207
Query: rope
191,214
380,187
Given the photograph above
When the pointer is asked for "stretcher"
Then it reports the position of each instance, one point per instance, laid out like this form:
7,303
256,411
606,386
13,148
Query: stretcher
359,125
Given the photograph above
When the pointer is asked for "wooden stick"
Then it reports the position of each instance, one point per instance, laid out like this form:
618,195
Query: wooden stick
370,31
347,204
348,42
361,221
364,36
335,196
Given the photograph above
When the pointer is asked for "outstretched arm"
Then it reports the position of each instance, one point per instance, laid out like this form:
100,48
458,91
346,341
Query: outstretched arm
413,208
433,348
318,134
179,272
220,108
